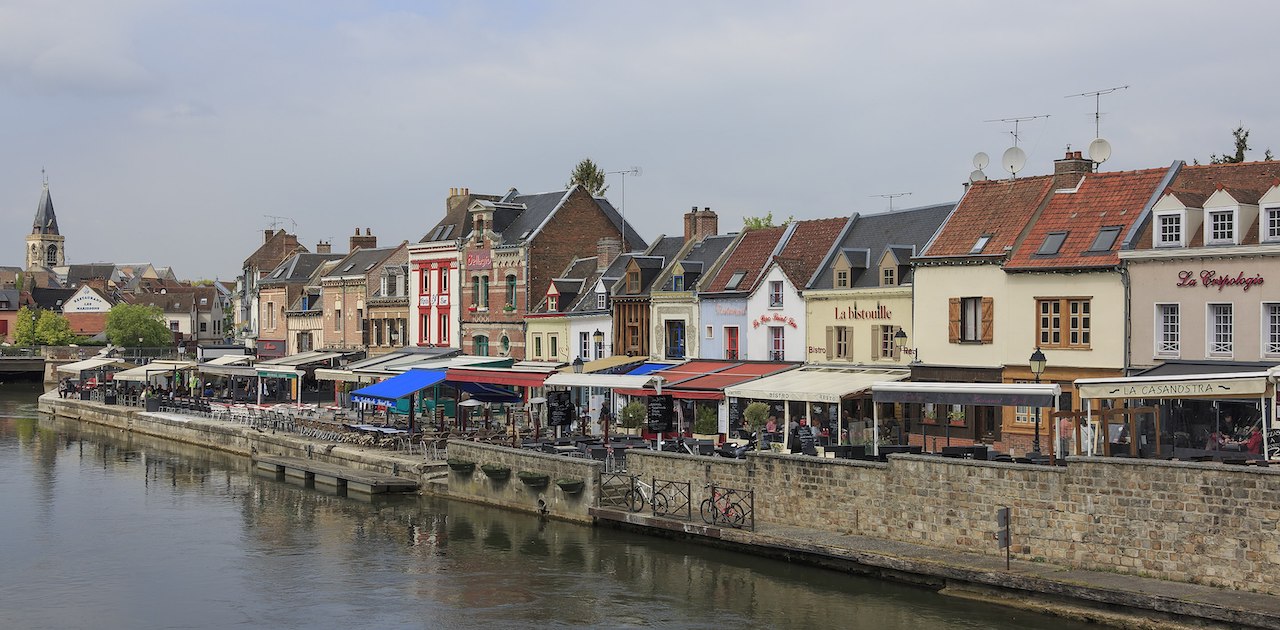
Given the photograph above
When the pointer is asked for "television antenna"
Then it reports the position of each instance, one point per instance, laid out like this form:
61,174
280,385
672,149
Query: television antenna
1097,105
634,171
1016,121
276,221
890,197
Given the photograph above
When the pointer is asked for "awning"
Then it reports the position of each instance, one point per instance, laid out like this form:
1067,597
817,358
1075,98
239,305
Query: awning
143,372
815,384
994,394
706,380
498,376
300,359
607,363
603,381
647,368
1224,385
490,393
243,371
95,363
398,387
230,359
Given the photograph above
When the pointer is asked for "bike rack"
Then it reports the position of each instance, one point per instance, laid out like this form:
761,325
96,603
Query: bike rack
678,498
730,507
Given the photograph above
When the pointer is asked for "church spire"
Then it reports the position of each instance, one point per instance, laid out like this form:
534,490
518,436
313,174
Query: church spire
46,221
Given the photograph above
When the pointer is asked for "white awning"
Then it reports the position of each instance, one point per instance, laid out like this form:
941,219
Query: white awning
94,363
994,394
603,381
230,359
823,384
155,368
1228,384
302,358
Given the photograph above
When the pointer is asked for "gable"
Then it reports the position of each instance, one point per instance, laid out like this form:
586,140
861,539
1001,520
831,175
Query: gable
86,300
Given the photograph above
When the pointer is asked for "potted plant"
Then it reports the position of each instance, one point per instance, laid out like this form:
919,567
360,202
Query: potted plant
570,486
533,479
632,416
928,414
706,423
472,308
757,416
956,417
461,465
509,308
496,472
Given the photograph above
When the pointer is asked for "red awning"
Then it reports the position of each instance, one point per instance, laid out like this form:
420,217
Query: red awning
517,378
706,380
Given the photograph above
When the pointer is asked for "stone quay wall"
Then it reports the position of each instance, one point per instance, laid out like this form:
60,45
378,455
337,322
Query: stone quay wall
1201,523
512,493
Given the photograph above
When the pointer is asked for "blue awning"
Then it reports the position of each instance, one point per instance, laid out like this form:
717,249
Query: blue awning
648,368
397,387
485,392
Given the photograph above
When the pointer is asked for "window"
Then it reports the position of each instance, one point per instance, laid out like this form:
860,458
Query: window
553,302
1052,244
971,313
633,338
426,281
271,315
204,327
360,321
443,329
1221,329
711,332
777,343
479,230
1170,234
385,283
1271,328
842,279
173,325
675,339
51,258
475,291
481,344
841,334
484,292
599,349
775,294
537,346
980,244
888,277
1106,239
424,329
735,280
337,319
1222,226
1271,224
633,281
601,301
677,283
1063,322
443,281
888,346
511,289
1168,330
553,346
731,342
584,345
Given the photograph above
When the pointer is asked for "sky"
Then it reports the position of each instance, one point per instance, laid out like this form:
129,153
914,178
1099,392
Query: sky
175,132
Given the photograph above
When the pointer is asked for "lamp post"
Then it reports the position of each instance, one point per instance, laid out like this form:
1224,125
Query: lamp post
598,338
1037,368
577,369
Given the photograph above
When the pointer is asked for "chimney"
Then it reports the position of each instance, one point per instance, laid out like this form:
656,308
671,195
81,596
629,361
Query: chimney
698,225
368,241
607,250
457,197
267,234
323,247
689,218
1068,171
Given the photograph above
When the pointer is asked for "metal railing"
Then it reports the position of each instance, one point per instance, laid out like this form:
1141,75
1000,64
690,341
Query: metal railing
677,499
729,507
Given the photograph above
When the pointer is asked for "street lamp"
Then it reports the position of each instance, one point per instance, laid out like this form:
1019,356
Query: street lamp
598,338
577,365
1037,368
900,340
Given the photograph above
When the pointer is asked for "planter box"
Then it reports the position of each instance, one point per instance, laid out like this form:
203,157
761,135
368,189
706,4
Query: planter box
496,472
571,486
532,479
461,466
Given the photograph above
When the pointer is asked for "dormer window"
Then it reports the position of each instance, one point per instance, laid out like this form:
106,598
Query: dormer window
889,277
677,283
1169,230
981,244
633,281
842,279
775,294
553,303
601,301
1271,224
1222,227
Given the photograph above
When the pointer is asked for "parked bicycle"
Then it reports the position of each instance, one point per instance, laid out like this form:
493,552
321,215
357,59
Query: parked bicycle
721,509
642,494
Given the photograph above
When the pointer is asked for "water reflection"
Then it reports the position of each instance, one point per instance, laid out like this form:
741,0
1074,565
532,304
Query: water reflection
124,530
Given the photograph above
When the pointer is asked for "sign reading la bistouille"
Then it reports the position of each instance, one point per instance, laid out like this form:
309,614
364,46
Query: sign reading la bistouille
853,312
1209,278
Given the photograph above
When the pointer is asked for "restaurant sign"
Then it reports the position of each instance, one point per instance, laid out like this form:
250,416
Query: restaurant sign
1200,388
1209,279
766,319
480,259
853,312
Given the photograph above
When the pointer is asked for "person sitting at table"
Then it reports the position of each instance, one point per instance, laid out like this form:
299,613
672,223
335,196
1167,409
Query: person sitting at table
1253,444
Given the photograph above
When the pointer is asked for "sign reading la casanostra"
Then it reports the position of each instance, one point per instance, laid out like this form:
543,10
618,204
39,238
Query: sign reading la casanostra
1209,278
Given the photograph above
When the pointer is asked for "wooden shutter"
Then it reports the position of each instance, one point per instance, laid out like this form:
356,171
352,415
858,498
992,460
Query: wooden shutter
953,320
831,340
875,343
988,319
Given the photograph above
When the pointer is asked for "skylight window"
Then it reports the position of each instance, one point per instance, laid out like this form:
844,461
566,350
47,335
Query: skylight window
735,280
981,244
349,267
1052,243
1106,239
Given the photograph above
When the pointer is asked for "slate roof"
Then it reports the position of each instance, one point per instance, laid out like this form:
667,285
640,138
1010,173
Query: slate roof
51,299
297,268
700,257
518,216
9,300
574,285
999,208
807,245
1194,184
750,256
902,232
457,221
78,274
45,222
1102,200
360,262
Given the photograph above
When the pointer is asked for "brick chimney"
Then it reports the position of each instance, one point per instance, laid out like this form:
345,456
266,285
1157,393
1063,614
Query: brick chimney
457,197
368,241
1068,171
267,234
324,247
698,225
607,250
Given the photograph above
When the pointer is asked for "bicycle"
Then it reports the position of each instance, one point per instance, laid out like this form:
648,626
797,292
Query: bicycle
641,494
718,508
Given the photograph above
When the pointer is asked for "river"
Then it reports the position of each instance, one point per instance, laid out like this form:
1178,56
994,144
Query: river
108,530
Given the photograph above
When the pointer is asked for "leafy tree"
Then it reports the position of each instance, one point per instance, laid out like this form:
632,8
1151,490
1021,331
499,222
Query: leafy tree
752,223
38,327
1241,137
126,323
633,414
757,415
590,176
24,329
705,420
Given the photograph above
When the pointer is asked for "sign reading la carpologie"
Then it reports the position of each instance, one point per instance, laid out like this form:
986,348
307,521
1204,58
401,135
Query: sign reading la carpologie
1209,278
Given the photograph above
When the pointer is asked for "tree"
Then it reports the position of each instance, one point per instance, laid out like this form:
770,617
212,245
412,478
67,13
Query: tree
127,323
588,175
24,329
752,223
38,327
757,416
633,415
1241,137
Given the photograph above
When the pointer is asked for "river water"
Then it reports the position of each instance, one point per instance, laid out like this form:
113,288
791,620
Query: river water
107,530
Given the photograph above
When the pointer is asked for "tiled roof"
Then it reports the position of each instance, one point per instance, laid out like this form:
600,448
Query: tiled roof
807,246
274,250
750,257
999,208
1102,200
1194,184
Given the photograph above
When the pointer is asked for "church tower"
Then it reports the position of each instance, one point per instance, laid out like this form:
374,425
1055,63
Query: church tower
45,244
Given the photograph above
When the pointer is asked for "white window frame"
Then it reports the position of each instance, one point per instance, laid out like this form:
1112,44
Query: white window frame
1269,224
1158,234
777,343
842,337
601,301
776,298
1230,234
1270,333
1160,351
584,346
1213,347
971,319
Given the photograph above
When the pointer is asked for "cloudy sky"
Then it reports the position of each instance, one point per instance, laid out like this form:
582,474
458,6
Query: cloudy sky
171,130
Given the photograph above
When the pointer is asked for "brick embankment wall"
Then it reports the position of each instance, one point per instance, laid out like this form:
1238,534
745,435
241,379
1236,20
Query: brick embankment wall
512,493
1201,523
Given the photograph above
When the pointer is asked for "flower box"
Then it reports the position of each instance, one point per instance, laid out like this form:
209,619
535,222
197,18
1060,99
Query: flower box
570,486
508,308
533,479
496,472
461,465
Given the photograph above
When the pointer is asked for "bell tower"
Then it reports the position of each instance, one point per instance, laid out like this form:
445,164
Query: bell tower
45,244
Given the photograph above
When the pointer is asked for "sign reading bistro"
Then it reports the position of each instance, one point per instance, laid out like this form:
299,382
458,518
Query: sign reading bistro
1209,278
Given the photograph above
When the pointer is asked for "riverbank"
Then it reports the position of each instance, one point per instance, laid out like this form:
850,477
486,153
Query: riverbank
817,513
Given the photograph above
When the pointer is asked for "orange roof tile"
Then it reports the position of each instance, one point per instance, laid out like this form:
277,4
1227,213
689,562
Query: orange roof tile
1193,185
749,256
999,208
806,248
1102,200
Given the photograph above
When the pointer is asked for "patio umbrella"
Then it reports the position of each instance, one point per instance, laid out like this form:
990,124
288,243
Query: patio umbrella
469,404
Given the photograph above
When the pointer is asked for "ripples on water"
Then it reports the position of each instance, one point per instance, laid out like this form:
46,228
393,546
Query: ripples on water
108,530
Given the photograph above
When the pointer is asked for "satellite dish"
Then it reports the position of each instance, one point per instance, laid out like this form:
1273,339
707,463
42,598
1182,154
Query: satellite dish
977,176
980,160
1099,150
1013,159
